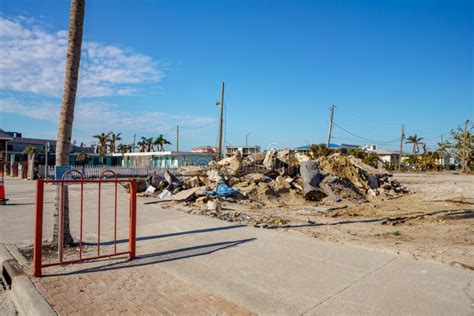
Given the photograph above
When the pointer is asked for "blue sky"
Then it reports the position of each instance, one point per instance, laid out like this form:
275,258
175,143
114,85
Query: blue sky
150,65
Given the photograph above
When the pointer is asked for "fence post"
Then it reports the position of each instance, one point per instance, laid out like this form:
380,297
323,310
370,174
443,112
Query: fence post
38,242
133,218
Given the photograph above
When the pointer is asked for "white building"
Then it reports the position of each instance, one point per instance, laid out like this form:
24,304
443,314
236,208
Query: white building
165,159
386,156
244,150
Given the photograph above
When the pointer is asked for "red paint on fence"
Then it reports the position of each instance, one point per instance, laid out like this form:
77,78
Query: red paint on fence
37,254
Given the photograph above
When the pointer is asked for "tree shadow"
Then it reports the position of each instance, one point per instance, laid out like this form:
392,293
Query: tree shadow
160,257
189,232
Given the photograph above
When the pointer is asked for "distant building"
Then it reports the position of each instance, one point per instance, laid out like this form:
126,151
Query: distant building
301,153
244,150
449,159
205,149
391,158
13,146
164,159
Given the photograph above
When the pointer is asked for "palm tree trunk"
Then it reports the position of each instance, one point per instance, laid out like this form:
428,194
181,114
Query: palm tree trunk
76,23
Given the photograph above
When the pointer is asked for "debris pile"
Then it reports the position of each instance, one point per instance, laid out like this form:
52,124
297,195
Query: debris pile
274,179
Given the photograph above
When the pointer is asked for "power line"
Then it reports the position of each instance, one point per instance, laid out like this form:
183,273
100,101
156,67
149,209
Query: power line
225,124
366,139
362,141
198,127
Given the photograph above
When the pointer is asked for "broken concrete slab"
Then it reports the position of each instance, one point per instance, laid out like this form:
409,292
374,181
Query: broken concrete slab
185,195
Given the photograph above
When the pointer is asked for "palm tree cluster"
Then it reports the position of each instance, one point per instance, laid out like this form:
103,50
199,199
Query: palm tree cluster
107,143
429,160
148,144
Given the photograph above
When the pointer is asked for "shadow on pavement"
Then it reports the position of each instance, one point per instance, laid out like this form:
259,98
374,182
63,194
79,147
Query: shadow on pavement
189,232
160,257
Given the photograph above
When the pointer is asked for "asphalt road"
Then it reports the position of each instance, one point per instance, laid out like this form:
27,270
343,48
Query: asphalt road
266,271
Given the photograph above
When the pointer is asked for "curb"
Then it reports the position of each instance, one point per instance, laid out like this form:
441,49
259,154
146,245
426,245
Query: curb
4,255
26,297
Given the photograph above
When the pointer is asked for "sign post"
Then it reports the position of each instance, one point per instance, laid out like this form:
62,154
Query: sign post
59,171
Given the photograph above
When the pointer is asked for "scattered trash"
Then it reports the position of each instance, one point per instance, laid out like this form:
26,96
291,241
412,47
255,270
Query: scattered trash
150,190
165,195
214,206
244,218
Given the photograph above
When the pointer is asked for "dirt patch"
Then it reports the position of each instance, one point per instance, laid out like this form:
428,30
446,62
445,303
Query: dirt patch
436,221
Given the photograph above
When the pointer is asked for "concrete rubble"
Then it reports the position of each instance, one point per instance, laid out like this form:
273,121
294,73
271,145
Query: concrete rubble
274,179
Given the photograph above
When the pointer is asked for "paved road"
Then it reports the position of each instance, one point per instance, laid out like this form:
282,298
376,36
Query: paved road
272,272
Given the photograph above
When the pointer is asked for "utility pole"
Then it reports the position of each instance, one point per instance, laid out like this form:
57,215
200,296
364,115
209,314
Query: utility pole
464,151
219,138
46,151
177,138
330,124
134,139
402,136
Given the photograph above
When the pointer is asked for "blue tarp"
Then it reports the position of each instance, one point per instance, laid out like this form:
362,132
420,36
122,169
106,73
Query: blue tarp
222,190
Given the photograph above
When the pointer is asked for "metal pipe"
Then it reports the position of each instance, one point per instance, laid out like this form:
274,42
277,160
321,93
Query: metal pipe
38,242
133,219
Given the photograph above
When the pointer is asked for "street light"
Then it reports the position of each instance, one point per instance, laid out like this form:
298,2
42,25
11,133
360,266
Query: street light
247,140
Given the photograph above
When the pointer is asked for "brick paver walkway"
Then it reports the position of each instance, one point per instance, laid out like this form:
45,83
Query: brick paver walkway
129,290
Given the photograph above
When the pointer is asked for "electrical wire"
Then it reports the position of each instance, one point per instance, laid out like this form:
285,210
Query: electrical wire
365,139
225,124
198,127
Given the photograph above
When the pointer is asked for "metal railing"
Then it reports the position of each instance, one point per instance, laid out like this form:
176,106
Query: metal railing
94,171
80,180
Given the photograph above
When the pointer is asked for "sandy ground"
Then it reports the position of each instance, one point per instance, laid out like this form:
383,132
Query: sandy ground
436,221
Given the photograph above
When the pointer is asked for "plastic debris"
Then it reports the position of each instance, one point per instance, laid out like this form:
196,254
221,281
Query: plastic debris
223,190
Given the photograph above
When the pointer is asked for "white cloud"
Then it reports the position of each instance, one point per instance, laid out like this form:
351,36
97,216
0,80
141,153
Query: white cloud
99,117
32,60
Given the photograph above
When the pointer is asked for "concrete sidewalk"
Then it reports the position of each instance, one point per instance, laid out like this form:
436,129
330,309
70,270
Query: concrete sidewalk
217,267
272,272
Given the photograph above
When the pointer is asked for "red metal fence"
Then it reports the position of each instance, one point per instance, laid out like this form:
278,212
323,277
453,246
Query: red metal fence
75,177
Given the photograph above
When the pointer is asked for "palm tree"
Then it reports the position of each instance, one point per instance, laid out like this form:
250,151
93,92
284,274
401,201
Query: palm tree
142,145
443,150
148,142
82,159
66,117
160,142
114,138
316,151
122,148
103,144
416,141
30,150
